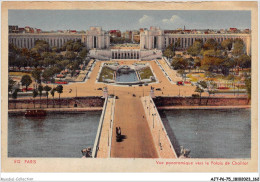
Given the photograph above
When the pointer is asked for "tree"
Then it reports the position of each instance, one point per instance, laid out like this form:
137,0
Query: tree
227,44
248,87
190,63
62,64
47,89
47,74
36,74
197,62
231,78
244,61
59,89
26,81
238,47
195,49
213,87
48,61
70,55
210,44
14,96
40,89
203,86
41,46
179,63
199,90
52,94
11,83
83,53
168,53
35,93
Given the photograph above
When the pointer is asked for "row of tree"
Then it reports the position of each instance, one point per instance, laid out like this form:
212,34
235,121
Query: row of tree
39,91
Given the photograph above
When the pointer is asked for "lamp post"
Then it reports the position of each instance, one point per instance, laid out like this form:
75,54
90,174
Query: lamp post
153,118
149,106
159,139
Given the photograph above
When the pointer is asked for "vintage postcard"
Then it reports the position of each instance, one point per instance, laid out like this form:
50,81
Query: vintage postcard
129,87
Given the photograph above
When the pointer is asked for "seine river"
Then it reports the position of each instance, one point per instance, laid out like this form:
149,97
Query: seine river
56,135
212,133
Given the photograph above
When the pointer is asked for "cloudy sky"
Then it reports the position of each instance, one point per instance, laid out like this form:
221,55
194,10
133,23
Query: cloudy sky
129,19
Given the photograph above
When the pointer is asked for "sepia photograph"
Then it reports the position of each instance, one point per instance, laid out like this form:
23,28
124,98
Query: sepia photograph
169,87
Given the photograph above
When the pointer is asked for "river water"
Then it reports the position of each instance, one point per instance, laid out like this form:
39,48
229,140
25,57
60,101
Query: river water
56,135
212,133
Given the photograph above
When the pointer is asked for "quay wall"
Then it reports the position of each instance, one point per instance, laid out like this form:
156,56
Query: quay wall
81,102
205,101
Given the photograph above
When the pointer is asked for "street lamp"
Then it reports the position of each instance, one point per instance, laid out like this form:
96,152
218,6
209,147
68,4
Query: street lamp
153,118
159,139
149,106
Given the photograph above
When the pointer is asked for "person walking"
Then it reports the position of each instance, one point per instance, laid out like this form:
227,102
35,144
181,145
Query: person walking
119,131
116,130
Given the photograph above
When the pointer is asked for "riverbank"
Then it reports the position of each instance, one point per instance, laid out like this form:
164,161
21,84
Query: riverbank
202,107
57,110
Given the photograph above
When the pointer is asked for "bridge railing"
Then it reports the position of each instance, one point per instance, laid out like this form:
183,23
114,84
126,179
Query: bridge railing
96,144
161,139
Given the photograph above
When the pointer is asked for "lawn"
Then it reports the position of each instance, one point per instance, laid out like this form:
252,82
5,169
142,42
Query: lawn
145,73
106,73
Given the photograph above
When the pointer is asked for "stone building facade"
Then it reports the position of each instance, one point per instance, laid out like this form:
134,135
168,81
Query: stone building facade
94,38
155,38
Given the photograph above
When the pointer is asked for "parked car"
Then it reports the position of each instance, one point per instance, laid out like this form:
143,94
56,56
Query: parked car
61,82
180,83
28,89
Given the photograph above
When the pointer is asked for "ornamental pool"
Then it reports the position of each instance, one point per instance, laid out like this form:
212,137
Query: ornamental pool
127,77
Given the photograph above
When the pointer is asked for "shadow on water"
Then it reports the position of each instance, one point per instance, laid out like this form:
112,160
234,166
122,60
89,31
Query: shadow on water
170,133
121,138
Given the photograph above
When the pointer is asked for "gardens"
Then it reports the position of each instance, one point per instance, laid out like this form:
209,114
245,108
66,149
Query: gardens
29,69
221,67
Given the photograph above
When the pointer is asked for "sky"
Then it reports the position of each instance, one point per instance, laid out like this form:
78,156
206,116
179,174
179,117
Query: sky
48,20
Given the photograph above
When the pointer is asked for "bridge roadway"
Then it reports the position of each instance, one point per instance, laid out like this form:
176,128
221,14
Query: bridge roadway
130,116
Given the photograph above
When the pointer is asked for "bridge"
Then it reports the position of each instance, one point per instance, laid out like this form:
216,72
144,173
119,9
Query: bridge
143,132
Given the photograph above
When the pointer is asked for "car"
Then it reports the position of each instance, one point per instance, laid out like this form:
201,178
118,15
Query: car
99,88
158,89
180,83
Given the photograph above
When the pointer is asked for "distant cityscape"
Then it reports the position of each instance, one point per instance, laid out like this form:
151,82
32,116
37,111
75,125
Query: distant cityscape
132,35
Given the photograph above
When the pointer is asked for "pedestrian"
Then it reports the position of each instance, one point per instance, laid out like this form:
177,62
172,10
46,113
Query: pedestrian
117,130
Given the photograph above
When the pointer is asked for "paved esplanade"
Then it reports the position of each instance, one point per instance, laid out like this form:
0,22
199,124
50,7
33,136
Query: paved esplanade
130,117
129,112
